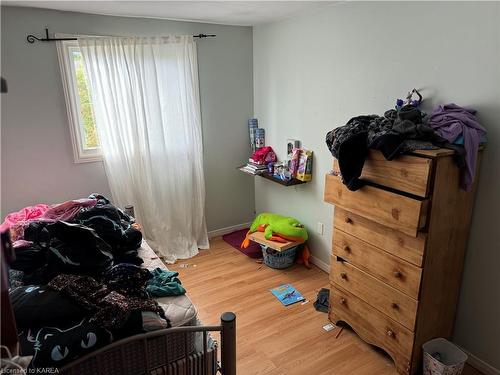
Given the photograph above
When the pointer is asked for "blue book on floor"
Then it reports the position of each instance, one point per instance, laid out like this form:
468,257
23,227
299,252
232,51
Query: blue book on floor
287,294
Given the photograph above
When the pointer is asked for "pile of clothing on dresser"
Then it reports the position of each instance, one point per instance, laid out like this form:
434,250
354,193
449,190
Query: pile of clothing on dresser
76,265
405,129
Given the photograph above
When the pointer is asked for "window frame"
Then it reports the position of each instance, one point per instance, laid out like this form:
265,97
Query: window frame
68,76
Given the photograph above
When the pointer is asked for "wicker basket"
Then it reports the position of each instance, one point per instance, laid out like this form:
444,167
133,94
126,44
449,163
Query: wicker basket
279,259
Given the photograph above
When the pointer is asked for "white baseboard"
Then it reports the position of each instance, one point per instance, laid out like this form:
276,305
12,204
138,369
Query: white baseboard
479,364
226,230
320,264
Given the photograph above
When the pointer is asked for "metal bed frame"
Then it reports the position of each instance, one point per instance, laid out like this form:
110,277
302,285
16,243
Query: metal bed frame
149,353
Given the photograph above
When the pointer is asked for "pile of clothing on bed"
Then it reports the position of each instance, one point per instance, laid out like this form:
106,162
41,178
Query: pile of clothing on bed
407,129
76,283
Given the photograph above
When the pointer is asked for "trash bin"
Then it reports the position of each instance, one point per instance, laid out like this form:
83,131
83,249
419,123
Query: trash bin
442,357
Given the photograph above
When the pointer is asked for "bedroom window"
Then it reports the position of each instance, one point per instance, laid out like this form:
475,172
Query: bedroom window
78,103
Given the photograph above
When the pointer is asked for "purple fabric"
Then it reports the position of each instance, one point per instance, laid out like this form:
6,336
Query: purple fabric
236,238
451,121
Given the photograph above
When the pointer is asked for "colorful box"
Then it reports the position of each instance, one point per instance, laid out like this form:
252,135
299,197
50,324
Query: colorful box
304,172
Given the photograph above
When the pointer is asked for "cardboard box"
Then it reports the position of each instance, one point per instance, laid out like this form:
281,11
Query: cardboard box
304,172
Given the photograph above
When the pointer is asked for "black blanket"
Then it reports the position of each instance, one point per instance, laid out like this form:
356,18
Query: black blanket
78,286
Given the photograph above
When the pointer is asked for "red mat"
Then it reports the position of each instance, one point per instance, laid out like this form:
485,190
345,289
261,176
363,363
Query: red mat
236,238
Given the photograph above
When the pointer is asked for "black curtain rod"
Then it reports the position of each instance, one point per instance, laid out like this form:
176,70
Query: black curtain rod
31,38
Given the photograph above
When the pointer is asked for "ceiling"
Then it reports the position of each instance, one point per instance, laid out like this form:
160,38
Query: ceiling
243,13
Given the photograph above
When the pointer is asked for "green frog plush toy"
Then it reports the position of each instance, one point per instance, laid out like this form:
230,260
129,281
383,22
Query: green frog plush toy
281,229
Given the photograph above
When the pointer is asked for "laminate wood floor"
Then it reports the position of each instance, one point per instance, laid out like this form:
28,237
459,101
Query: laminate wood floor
271,338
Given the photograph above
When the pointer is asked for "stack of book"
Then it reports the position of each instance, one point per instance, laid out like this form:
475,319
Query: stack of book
253,168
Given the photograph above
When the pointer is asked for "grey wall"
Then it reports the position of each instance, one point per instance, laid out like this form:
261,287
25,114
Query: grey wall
37,162
314,72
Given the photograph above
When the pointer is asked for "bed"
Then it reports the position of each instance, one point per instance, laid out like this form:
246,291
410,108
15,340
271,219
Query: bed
76,323
185,349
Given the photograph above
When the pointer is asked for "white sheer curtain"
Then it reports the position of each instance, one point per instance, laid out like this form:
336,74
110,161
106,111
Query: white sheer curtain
146,102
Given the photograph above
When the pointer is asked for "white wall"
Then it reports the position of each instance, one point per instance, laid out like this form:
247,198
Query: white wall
37,161
314,72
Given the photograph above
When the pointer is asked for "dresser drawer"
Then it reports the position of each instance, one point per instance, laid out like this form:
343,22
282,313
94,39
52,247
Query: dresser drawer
411,174
396,211
384,266
372,326
406,247
383,297
408,173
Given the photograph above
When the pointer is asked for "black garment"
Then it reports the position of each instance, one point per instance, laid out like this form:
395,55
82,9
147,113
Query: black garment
353,154
77,249
99,235
29,258
16,278
57,330
349,144
322,301
40,306
133,326
37,232
121,236
102,201
56,345
409,124
394,133
67,248
108,308
128,279
131,257
114,227
32,258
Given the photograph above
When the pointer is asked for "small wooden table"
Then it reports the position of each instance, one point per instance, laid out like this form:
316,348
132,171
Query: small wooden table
278,246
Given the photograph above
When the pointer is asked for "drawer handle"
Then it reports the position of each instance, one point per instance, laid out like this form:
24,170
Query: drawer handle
398,275
342,301
343,275
348,220
394,305
347,249
390,333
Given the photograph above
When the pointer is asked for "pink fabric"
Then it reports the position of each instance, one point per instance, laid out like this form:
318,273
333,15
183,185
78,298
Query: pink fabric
21,243
4,227
16,221
264,155
26,214
66,211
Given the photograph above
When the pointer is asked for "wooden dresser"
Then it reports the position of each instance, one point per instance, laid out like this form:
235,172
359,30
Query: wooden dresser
398,251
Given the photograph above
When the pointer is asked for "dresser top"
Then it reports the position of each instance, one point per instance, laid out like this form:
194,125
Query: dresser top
433,153
440,152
